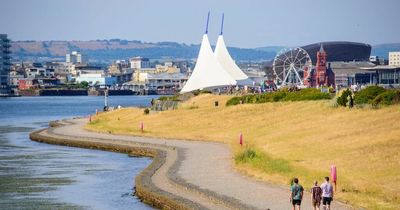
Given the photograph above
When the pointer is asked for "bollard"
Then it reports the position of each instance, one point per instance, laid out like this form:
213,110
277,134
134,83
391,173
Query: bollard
90,118
241,139
334,175
142,126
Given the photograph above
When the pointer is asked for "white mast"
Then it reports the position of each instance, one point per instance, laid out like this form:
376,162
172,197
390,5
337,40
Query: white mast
208,72
226,61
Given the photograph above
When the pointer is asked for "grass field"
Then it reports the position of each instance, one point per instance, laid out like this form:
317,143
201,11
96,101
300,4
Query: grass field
287,139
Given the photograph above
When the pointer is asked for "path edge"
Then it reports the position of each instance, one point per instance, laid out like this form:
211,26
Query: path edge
145,188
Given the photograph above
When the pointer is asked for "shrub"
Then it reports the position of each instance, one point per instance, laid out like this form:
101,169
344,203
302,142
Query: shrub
388,97
169,98
308,94
147,111
199,92
342,100
368,94
282,95
233,101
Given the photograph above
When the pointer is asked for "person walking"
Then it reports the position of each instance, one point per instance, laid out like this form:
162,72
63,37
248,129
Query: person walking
327,194
316,195
296,194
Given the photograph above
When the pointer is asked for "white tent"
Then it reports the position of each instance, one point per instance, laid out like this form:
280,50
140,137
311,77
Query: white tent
208,72
226,61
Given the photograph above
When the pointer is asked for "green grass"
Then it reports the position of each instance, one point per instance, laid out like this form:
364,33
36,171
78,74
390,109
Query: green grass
262,161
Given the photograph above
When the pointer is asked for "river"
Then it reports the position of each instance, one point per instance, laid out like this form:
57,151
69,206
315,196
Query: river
41,176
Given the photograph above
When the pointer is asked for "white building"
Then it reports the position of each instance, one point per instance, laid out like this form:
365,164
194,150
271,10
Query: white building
394,58
75,57
139,63
96,79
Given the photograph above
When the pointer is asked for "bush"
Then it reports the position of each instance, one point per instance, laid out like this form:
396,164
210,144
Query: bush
342,100
169,98
147,111
282,95
308,94
199,92
388,97
368,94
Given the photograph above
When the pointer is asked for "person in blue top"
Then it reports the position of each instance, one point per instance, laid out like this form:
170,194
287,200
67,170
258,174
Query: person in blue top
296,194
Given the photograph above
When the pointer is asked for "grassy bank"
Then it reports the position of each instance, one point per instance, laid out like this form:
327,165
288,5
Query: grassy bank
288,139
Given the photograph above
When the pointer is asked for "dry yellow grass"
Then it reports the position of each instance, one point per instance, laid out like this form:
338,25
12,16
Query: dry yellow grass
364,144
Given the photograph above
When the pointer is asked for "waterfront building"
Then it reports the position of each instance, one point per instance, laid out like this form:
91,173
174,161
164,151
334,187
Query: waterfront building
166,83
38,70
168,67
394,58
97,79
139,63
4,64
28,83
352,73
385,75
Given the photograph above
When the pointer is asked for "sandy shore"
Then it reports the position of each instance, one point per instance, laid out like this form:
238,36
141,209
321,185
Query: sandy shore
183,174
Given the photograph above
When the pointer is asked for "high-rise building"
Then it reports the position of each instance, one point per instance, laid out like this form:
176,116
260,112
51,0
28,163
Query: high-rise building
394,58
139,63
4,64
75,57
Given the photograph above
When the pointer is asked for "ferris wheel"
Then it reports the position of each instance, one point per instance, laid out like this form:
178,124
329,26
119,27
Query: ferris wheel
289,66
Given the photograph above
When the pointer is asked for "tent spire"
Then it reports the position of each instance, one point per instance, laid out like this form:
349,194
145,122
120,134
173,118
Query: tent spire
208,18
222,24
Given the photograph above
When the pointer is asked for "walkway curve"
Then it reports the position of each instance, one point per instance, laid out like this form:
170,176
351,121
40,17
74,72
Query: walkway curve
183,174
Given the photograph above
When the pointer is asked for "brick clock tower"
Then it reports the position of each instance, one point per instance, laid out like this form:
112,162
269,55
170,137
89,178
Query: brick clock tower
320,68
321,76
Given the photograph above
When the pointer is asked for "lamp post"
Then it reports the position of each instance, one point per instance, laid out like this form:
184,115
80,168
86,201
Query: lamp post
106,99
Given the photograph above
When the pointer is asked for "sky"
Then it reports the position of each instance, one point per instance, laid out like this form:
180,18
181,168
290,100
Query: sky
248,24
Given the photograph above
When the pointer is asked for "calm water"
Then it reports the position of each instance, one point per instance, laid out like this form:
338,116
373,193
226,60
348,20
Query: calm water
40,176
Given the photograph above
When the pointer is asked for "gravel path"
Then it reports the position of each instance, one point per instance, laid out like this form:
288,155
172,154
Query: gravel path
203,172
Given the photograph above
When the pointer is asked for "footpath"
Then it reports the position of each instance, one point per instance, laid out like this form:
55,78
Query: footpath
184,174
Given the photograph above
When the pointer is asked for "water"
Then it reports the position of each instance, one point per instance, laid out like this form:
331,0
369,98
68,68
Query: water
41,176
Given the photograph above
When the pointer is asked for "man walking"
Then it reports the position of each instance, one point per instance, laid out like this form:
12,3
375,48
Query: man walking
327,194
316,195
296,194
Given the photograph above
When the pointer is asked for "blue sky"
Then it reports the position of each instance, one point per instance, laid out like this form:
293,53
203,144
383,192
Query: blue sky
247,23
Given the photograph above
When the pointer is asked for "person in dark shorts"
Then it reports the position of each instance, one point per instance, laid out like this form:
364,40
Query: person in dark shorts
316,196
327,194
296,194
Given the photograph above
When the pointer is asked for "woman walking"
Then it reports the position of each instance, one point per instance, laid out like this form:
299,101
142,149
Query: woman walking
316,196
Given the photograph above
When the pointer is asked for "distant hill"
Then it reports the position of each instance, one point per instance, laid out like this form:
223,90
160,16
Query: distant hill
105,51
273,49
109,50
382,50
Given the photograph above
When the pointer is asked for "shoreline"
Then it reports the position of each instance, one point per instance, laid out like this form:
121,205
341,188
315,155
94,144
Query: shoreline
144,188
182,191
